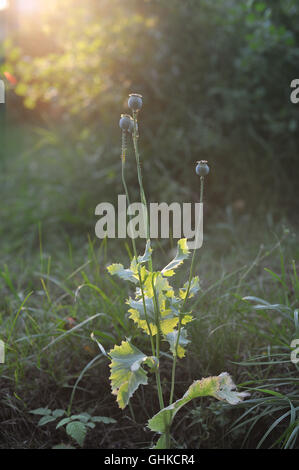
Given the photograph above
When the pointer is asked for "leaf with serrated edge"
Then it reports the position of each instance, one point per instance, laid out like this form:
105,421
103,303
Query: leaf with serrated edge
77,431
181,255
126,274
167,319
161,285
132,274
126,371
147,254
166,302
183,341
194,288
226,388
219,387
137,314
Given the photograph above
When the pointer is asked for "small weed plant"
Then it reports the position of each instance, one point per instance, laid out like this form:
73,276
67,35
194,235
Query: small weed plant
76,426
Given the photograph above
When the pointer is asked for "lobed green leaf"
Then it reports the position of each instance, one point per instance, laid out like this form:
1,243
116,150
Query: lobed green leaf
194,288
126,274
181,255
126,371
183,341
220,387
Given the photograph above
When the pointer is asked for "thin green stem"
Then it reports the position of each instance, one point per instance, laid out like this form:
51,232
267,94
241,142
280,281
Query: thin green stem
157,321
156,304
123,159
139,174
167,436
154,353
183,307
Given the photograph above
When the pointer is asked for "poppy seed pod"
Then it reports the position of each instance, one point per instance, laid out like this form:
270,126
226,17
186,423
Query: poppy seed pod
126,122
135,101
202,169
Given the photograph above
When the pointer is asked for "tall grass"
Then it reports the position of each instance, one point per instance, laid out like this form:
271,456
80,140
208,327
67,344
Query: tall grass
55,290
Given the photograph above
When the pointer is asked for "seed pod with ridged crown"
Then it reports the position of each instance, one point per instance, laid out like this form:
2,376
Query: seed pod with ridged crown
126,122
202,169
135,101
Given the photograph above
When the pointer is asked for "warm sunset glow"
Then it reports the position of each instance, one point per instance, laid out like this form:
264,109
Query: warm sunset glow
27,5
3,4
32,6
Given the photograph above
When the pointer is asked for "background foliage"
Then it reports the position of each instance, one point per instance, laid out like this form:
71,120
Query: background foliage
215,77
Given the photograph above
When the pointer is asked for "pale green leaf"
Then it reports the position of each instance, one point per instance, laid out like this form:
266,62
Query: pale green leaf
226,392
161,442
126,274
156,281
155,287
167,319
77,431
183,341
194,288
175,305
147,254
126,371
58,413
181,255
45,420
101,347
83,417
103,419
138,315
219,387
63,422
90,425
41,411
